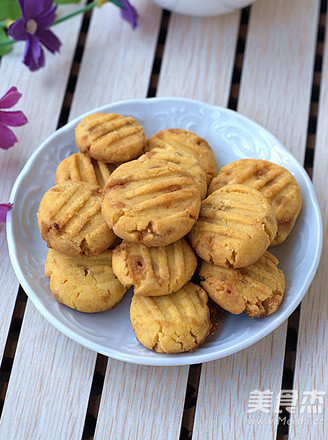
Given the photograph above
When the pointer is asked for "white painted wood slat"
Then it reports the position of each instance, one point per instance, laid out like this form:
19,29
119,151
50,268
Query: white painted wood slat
312,350
44,399
275,91
275,87
225,386
50,383
118,60
198,58
141,402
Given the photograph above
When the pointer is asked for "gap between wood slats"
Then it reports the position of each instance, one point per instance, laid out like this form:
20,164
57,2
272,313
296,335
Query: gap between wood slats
293,320
195,370
11,344
158,54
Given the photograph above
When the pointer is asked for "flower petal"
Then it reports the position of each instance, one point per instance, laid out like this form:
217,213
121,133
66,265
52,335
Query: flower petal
4,208
34,55
13,119
46,20
10,98
31,8
7,137
21,5
129,13
49,39
17,30
48,4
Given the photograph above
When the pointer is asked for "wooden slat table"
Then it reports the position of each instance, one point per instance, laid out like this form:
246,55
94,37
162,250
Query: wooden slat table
270,63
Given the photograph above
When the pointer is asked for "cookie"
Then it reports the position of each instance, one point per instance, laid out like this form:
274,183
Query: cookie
154,271
236,225
110,137
81,167
257,289
272,180
70,219
172,323
150,201
182,140
86,283
186,161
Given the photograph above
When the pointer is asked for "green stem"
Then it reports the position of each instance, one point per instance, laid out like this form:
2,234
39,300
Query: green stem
73,14
83,10
8,42
116,3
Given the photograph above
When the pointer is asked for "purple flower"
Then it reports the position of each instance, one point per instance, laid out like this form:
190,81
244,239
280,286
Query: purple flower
129,13
12,119
4,208
37,16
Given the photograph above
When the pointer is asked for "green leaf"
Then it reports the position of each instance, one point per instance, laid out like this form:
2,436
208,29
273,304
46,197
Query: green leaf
4,37
65,2
9,9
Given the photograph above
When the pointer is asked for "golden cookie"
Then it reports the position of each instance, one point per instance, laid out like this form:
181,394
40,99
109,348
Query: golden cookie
152,202
81,167
186,161
70,219
182,140
154,271
236,225
86,283
272,180
110,137
257,289
172,323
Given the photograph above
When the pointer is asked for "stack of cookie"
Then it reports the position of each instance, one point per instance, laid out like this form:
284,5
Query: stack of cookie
252,204
152,203
79,262
145,199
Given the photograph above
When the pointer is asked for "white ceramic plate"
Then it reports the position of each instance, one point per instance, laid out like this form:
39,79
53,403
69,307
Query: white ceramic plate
232,137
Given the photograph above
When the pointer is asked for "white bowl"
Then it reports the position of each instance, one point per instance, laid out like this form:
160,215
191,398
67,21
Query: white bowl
204,8
232,136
